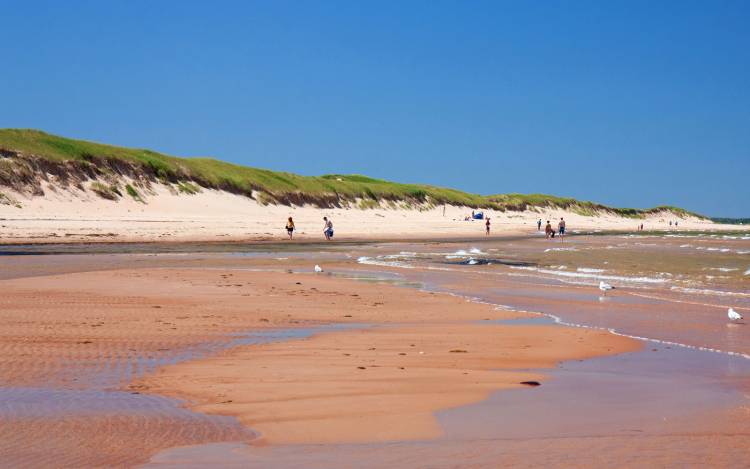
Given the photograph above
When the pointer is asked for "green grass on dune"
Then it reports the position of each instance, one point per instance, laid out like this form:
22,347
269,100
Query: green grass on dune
275,186
581,207
731,221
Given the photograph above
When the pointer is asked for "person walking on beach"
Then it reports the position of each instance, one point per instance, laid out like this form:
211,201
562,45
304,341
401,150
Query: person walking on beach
561,228
548,230
539,225
487,227
328,228
290,227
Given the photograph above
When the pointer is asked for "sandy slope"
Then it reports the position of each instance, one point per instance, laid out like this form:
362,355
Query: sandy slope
74,216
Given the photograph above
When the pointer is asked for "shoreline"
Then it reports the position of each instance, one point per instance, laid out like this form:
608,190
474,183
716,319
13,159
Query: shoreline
273,240
352,240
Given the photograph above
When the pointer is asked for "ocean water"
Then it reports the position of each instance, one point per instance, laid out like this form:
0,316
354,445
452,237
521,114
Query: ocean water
664,292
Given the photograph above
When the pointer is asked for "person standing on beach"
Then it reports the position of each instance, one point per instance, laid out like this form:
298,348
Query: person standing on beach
487,227
290,227
539,225
328,228
561,228
548,230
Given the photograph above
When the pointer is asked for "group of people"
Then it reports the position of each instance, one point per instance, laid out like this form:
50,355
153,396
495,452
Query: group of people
549,232
327,228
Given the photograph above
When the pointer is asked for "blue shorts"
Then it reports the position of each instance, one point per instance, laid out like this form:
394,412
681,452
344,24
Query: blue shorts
562,230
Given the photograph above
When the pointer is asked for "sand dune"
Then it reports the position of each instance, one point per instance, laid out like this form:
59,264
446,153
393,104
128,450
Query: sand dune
213,215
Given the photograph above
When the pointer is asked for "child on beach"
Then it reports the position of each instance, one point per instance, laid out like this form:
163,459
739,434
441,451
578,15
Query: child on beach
487,227
290,227
328,228
539,225
548,231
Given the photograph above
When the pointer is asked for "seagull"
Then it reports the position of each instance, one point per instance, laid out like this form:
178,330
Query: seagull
318,268
603,286
733,315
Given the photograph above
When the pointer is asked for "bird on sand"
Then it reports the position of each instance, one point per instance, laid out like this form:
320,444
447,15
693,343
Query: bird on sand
318,268
733,315
605,287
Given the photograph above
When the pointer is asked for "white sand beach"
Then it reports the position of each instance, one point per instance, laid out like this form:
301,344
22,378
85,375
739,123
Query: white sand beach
72,215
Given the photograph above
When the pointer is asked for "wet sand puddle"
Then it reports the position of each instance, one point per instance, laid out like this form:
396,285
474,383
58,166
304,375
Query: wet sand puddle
42,427
70,426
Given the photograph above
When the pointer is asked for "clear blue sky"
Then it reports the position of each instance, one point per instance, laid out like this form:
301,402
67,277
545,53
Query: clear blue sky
628,103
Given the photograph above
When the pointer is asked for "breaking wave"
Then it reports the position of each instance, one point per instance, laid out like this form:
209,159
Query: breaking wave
593,275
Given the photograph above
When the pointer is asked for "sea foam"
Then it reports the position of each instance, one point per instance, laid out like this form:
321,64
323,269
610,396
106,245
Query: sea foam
593,275
383,263
704,291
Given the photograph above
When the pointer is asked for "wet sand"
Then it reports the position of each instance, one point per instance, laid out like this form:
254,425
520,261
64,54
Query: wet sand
74,338
93,359
377,384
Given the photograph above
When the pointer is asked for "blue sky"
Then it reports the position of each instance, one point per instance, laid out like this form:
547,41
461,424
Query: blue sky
628,103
